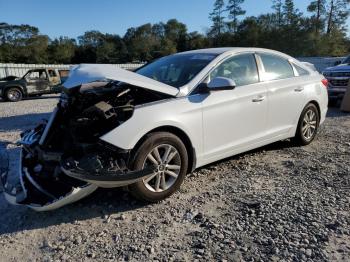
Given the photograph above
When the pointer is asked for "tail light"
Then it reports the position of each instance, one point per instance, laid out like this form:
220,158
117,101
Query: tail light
325,82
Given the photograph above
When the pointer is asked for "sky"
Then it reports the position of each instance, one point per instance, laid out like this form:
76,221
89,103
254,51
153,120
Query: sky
74,17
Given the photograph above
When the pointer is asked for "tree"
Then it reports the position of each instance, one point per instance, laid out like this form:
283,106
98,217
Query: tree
277,6
61,50
88,43
318,8
22,44
142,43
111,49
291,15
35,50
338,12
176,32
197,41
235,10
218,26
250,32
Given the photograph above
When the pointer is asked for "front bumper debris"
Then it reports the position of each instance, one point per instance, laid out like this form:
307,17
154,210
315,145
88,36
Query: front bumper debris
116,177
43,181
23,188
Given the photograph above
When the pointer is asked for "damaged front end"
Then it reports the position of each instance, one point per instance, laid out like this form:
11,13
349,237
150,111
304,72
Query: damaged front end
64,160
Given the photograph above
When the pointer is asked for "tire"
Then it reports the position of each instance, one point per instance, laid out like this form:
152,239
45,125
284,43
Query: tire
163,143
13,94
307,129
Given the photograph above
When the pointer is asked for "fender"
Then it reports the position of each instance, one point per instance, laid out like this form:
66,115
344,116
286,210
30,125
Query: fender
124,139
183,114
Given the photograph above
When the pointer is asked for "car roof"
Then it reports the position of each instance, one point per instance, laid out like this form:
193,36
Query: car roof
231,50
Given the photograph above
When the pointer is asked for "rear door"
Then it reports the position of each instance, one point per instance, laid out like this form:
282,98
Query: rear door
285,92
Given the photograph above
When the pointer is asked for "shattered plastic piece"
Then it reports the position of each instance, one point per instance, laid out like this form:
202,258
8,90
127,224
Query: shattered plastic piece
93,172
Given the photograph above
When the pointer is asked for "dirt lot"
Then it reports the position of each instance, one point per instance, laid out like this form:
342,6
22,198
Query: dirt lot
276,203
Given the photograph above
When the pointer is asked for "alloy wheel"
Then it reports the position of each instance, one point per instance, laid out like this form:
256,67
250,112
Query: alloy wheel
167,162
309,125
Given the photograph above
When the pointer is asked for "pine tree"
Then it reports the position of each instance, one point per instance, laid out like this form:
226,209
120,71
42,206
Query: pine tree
291,15
277,6
235,10
318,8
338,12
217,18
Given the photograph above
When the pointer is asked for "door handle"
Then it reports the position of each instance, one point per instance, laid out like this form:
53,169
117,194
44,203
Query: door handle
258,99
299,89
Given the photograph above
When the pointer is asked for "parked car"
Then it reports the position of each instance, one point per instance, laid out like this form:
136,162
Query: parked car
338,78
146,130
35,82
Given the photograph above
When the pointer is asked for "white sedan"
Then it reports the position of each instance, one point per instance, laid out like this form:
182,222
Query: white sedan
146,130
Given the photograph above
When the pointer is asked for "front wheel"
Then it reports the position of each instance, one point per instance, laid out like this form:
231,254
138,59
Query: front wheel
13,94
167,154
308,125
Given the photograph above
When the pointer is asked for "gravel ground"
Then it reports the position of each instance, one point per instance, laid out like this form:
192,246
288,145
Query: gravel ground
276,203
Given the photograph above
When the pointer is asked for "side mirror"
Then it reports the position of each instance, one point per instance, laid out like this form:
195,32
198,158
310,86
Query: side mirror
221,83
337,62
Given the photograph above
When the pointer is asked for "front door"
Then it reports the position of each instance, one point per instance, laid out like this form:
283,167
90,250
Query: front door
37,81
235,119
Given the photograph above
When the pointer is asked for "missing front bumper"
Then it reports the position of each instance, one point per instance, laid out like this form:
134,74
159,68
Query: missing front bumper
31,185
22,188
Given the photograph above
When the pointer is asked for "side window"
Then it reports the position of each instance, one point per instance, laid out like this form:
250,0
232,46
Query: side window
52,73
241,68
276,67
301,71
42,74
33,75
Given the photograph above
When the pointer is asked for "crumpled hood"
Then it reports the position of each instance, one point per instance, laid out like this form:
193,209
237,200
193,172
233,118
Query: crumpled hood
87,73
342,67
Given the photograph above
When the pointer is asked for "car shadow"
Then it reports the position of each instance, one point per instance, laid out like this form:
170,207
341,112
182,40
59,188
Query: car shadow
336,112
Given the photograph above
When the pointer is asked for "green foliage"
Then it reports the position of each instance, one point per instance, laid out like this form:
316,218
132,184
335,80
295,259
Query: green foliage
321,33
22,44
277,7
218,19
61,50
235,10
318,10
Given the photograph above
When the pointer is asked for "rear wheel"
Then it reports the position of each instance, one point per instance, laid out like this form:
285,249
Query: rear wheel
13,94
308,125
167,154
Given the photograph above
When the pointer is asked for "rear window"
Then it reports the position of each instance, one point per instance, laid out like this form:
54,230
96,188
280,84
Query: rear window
276,67
301,71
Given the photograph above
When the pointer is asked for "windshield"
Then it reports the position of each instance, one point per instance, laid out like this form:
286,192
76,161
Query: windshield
347,60
177,70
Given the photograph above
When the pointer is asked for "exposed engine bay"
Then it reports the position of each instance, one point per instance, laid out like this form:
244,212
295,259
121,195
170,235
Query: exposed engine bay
64,160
